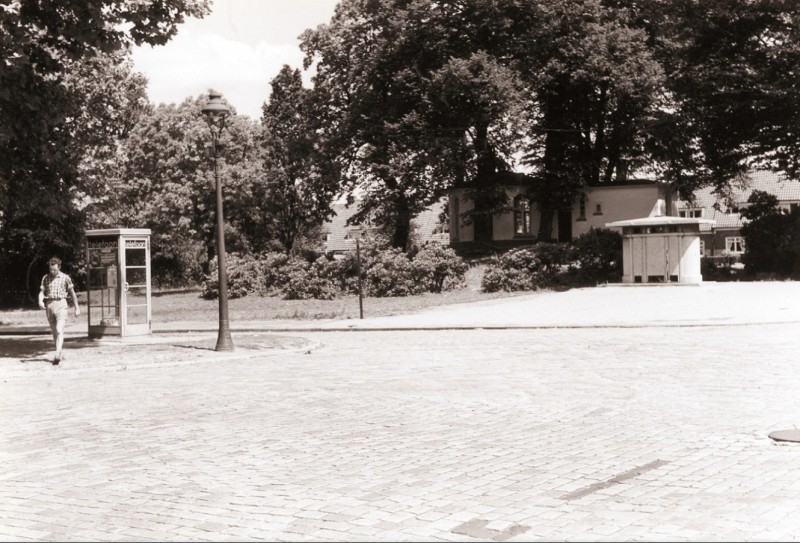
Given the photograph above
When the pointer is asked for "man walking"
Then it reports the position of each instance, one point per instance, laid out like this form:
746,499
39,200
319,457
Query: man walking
53,298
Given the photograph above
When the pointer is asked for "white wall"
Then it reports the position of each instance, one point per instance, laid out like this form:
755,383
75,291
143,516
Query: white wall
617,203
458,230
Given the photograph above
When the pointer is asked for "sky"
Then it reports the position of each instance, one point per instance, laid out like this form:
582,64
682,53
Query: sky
236,49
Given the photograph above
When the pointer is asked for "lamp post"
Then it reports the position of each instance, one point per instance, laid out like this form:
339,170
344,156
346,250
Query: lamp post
216,114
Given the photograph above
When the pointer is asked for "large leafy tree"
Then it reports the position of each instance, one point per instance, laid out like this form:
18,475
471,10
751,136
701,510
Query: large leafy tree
164,181
300,180
46,47
772,236
696,92
595,83
731,99
416,98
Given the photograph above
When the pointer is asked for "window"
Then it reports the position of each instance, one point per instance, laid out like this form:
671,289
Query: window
582,203
734,245
598,209
522,216
693,213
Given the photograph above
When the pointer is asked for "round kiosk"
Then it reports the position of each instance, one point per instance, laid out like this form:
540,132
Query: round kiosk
661,249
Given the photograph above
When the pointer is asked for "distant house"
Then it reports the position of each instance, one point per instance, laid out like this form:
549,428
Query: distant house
341,237
519,225
724,237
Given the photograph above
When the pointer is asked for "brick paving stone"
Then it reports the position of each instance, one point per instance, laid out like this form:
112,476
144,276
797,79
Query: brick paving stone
490,425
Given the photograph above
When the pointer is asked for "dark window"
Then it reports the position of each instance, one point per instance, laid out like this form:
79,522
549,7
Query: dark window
522,216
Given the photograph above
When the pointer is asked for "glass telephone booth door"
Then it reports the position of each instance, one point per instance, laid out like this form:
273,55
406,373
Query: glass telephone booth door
119,290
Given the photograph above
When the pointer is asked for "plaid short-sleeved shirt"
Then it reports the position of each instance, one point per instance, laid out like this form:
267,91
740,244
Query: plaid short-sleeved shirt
56,288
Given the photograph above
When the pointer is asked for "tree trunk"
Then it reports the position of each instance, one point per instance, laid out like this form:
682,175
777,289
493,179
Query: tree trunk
401,227
486,167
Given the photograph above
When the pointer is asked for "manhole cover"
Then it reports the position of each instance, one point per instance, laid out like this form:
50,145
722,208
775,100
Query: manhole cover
786,435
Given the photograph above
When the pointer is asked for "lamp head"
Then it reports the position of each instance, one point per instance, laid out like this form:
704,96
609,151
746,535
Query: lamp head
215,111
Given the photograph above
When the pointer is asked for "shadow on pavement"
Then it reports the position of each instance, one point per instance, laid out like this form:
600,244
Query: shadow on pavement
36,349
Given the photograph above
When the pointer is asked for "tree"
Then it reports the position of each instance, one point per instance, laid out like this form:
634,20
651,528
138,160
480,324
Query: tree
693,92
772,238
43,46
300,181
165,182
389,79
730,101
595,83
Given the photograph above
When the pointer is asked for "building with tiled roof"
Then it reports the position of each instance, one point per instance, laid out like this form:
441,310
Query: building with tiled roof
341,237
724,236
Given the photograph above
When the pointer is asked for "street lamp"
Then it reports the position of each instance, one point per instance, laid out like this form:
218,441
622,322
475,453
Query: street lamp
216,113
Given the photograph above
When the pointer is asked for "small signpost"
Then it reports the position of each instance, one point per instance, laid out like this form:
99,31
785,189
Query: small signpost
360,296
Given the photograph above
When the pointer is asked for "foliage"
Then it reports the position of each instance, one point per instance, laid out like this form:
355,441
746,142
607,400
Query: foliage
437,268
164,180
389,273
589,259
772,238
304,280
412,101
67,92
518,269
420,96
596,83
729,83
598,256
272,264
243,273
176,263
385,271
718,268
299,182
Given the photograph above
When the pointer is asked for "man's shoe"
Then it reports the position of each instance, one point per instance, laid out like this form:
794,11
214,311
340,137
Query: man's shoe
57,359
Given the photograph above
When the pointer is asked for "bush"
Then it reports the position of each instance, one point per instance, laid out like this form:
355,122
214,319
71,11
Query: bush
437,268
718,268
389,273
176,262
303,280
272,271
772,238
385,272
598,256
518,269
591,258
243,273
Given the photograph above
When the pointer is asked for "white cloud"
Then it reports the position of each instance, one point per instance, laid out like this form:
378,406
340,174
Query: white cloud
192,63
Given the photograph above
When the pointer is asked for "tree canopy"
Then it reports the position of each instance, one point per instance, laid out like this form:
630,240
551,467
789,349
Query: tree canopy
300,179
421,96
56,56
410,98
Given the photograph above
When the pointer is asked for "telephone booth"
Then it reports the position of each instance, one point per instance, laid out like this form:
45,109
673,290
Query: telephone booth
118,282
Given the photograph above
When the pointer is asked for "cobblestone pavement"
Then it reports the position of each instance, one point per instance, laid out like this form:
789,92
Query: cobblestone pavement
499,435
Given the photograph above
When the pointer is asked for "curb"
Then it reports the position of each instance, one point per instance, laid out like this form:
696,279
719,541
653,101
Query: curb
28,332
